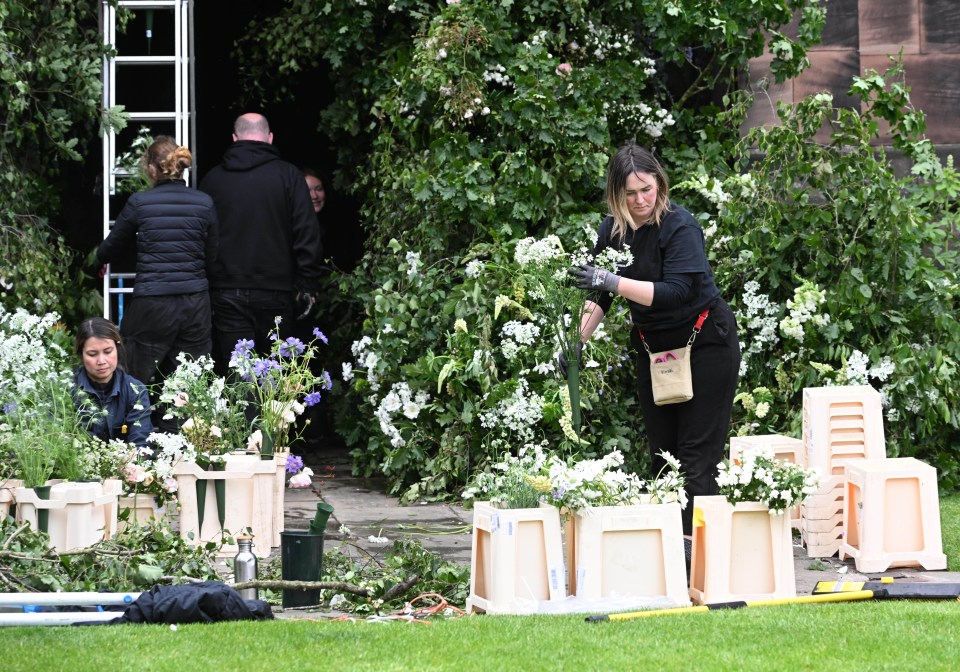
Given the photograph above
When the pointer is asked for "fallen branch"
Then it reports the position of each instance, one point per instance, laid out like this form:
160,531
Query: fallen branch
13,535
23,556
303,585
400,588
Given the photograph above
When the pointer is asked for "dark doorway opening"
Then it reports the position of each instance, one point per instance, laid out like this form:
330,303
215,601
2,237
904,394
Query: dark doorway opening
218,90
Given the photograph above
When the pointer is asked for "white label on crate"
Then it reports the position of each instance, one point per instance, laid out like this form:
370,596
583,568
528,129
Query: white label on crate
581,576
494,522
554,578
510,524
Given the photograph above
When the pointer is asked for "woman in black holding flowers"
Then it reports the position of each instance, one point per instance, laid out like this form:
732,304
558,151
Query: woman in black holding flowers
667,286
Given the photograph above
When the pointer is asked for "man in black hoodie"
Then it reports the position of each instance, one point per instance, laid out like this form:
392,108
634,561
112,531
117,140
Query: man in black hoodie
268,259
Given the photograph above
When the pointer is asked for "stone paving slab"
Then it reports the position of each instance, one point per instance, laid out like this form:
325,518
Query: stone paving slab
363,506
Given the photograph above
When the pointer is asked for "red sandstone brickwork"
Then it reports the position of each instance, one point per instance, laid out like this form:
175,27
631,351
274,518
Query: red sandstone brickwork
859,34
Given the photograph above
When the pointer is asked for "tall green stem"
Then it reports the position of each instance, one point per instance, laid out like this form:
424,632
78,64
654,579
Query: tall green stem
573,387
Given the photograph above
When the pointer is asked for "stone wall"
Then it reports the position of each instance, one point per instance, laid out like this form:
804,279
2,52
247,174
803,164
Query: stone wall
859,34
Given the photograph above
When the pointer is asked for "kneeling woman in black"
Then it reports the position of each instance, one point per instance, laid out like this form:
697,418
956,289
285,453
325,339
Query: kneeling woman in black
117,405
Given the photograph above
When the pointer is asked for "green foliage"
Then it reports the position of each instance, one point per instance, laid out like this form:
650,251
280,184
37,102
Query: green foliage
134,559
50,59
842,271
378,573
472,125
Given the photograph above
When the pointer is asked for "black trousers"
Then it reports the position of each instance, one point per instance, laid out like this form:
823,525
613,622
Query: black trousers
249,314
696,431
156,329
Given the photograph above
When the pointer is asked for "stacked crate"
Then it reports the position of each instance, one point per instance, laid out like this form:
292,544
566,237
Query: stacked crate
840,424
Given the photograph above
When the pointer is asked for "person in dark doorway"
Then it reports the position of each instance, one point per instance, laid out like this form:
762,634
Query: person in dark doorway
342,234
175,230
317,184
667,286
117,404
268,262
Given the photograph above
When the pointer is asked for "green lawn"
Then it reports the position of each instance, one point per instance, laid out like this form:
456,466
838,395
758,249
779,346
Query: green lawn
883,635
848,636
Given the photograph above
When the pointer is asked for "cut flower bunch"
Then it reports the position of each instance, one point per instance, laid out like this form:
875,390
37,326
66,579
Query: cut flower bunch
211,411
757,477
532,477
284,384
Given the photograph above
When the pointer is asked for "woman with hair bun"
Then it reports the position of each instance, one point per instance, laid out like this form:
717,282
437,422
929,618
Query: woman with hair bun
174,229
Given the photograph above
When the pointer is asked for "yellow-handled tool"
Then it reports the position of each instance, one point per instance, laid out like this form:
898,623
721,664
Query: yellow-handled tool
804,599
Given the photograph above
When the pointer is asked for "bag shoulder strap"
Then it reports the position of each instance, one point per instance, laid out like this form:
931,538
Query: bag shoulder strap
696,330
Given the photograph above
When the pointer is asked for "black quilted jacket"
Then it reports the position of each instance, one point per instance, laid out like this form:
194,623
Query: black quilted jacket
175,230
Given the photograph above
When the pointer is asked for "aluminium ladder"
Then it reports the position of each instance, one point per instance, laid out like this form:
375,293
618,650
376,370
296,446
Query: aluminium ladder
131,75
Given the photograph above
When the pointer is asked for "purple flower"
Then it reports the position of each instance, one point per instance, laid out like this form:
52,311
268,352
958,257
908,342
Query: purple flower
294,464
243,348
260,368
327,383
319,334
292,347
311,399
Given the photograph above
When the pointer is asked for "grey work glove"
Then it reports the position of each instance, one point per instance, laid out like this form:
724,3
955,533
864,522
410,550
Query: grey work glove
304,302
562,360
591,278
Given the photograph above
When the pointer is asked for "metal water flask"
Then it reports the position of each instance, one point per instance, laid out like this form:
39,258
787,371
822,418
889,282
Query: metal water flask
245,567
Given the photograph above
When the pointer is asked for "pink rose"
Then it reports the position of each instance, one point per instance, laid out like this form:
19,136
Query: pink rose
564,69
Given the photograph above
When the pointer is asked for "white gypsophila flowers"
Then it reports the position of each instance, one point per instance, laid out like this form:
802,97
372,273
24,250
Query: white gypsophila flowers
759,317
614,260
804,308
413,264
537,251
516,335
496,74
883,370
710,188
400,399
26,356
517,413
857,368
474,268
601,41
347,371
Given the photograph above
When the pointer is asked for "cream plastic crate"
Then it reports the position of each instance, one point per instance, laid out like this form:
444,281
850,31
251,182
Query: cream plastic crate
7,488
279,497
828,496
618,551
821,544
79,513
740,552
822,525
821,519
891,516
249,501
516,559
840,424
785,449
142,509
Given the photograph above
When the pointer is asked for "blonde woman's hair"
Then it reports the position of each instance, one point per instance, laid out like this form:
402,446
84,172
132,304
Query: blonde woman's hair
167,159
628,160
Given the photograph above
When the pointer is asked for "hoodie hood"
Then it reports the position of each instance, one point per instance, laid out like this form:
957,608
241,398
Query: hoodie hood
245,155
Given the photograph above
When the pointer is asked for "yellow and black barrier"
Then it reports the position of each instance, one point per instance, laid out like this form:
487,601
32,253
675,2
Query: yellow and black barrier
906,590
